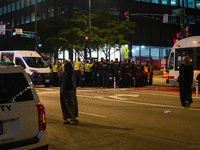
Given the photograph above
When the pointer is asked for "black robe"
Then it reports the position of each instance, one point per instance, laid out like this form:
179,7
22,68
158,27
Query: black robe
185,82
68,97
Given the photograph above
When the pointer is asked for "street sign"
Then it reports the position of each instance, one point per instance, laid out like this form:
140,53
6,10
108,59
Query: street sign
165,18
28,35
178,11
2,29
18,31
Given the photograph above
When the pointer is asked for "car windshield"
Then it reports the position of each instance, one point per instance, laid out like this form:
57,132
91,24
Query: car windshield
14,88
35,62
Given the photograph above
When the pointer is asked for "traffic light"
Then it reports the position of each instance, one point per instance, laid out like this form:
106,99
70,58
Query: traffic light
87,38
13,33
126,14
177,38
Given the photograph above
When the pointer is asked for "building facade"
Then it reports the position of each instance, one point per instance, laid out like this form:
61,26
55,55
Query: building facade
152,37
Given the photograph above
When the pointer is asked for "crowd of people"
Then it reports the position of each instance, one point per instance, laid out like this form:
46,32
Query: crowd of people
103,73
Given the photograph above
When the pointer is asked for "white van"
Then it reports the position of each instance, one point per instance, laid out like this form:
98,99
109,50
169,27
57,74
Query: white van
32,63
186,47
22,116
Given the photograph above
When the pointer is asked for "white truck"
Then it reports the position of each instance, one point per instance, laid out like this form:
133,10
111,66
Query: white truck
32,63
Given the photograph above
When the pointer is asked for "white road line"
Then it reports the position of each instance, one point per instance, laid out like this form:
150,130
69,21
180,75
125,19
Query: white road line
101,116
139,103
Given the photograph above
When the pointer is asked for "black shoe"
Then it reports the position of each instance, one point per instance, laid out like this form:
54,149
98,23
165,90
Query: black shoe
187,104
66,122
74,121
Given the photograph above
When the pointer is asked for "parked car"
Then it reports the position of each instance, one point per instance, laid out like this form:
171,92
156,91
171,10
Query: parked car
22,116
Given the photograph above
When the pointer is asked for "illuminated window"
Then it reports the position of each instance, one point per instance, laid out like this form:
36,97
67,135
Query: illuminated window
145,51
9,8
148,1
164,2
174,2
156,1
155,53
17,5
22,3
4,10
27,3
0,11
51,11
185,3
32,2
198,4
191,3
135,50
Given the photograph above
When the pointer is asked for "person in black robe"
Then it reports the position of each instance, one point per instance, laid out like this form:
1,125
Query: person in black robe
68,97
185,80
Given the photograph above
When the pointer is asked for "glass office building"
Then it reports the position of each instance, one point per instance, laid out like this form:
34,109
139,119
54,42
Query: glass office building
152,37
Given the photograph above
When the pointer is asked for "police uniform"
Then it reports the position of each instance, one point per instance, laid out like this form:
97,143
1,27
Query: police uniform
88,74
105,74
95,71
100,74
126,71
115,69
77,72
138,75
55,74
150,73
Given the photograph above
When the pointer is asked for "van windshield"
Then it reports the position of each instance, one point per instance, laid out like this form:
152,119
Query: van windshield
14,88
35,62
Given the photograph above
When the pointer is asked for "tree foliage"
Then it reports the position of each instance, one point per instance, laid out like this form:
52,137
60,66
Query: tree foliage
106,31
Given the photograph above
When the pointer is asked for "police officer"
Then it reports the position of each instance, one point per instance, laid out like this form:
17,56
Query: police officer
138,74
150,73
105,73
55,74
100,73
115,69
126,71
77,72
133,73
95,71
88,74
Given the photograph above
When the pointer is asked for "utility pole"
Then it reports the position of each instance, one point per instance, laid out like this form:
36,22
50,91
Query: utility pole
36,31
89,44
182,22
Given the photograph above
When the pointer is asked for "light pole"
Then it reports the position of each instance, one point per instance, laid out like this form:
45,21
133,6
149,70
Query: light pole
36,32
89,44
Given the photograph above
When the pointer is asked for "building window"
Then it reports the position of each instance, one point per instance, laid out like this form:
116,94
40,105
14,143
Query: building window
27,18
32,2
185,3
165,2
32,16
191,19
9,8
22,19
17,5
148,1
64,9
4,10
27,3
145,51
156,1
51,11
22,4
191,3
198,4
39,1
198,19
1,11
174,3
13,6
155,53
135,50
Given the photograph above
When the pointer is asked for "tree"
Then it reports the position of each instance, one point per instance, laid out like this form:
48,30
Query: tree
107,31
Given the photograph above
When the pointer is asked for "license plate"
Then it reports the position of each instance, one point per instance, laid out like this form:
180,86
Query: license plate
47,80
1,128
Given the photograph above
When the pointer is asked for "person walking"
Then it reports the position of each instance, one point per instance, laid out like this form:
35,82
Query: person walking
185,80
68,97
150,73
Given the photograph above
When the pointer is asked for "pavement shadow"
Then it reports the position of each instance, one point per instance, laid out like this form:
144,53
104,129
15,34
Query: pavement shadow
97,126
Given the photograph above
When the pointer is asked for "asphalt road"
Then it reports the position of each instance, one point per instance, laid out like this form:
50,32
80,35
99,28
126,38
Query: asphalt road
123,119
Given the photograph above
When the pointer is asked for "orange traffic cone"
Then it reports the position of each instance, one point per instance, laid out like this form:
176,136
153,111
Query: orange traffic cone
165,75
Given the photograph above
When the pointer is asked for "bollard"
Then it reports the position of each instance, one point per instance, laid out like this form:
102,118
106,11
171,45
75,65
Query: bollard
114,82
197,88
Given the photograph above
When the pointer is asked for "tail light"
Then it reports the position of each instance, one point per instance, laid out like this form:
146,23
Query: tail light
41,117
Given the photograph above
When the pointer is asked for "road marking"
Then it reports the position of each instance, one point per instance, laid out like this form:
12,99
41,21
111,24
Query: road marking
139,103
101,116
121,95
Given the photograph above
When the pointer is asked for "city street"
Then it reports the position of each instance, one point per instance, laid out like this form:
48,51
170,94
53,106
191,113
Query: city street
123,119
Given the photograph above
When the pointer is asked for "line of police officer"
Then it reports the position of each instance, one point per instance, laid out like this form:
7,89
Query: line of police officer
101,74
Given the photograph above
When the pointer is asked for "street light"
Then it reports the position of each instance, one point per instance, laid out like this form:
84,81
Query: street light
36,32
